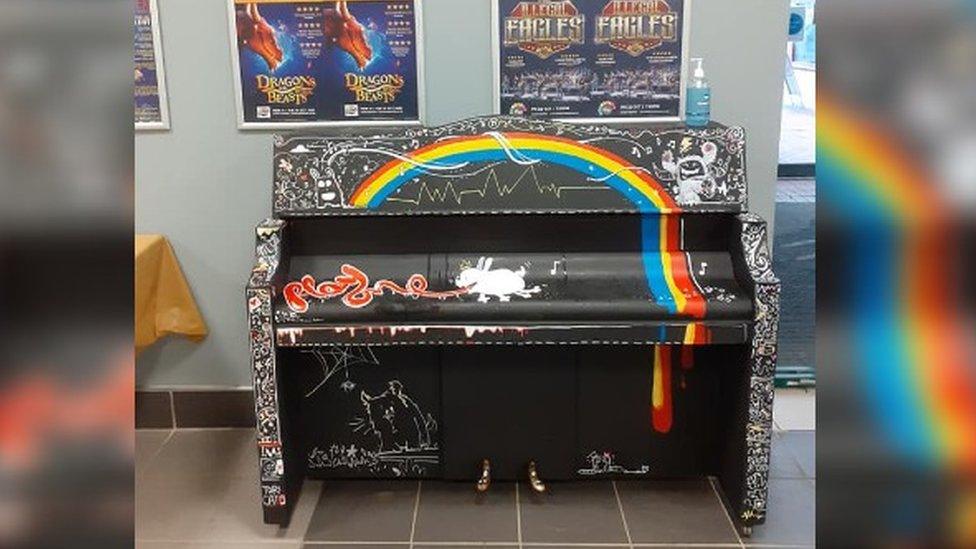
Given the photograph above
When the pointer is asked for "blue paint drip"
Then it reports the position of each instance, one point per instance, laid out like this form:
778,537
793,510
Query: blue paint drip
653,267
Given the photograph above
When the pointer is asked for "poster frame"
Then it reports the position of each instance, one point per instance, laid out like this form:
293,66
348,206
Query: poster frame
239,92
163,123
685,56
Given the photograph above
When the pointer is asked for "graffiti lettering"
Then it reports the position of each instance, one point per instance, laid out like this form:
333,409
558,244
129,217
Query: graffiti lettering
353,287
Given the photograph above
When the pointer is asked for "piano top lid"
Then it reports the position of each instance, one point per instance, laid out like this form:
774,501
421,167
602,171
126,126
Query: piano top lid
501,164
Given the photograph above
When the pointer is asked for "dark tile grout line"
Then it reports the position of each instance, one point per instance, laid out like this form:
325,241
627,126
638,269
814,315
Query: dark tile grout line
416,508
518,516
159,450
711,482
623,517
795,459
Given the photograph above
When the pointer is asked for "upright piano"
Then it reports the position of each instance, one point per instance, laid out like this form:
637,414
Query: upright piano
506,299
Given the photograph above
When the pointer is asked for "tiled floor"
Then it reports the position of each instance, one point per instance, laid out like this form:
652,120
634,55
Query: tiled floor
198,488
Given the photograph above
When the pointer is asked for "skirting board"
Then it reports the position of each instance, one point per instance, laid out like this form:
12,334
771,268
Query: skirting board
194,409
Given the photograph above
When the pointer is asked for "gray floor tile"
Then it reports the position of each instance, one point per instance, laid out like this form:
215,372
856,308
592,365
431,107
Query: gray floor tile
691,546
214,509
184,506
782,464
176,507
239,516
465,546
148,443
803,446
218,545
572,512
674,511
208,452
791,514
454,511
313,545
364,510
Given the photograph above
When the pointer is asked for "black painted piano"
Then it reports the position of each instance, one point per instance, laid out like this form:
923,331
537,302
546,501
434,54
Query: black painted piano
511,299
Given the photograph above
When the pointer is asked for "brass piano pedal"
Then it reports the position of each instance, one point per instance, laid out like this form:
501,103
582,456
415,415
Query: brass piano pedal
484,481
535,482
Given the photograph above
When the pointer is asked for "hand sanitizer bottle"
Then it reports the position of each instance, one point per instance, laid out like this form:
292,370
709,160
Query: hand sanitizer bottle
698,99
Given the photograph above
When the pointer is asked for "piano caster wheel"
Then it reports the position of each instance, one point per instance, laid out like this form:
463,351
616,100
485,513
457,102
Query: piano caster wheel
484,481
535,482
746,531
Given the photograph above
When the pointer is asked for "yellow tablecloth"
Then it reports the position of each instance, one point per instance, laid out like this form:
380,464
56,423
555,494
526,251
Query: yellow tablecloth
164,303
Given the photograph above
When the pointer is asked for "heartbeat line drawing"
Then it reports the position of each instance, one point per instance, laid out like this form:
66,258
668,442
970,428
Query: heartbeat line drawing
449,191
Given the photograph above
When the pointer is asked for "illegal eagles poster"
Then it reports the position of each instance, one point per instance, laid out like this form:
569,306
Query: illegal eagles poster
590,59
318,62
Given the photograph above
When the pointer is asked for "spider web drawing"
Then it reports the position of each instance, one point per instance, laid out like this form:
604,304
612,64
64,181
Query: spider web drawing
337,359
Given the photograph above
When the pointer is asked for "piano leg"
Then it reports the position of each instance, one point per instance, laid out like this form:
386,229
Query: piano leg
280,467
744,468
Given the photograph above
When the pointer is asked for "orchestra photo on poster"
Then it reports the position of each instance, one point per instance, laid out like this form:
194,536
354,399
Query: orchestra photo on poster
590,59
316,62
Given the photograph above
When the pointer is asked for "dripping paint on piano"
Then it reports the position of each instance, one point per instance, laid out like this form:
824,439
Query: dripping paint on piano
662,405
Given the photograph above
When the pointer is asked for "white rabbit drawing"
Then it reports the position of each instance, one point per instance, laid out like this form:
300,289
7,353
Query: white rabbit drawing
500,283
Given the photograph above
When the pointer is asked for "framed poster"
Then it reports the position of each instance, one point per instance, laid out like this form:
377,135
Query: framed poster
591,60
151,108
322,63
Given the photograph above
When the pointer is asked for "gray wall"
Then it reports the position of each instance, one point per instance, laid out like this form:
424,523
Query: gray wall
205,184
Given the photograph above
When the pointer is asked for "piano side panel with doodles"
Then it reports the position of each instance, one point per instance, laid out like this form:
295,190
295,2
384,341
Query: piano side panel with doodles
511,299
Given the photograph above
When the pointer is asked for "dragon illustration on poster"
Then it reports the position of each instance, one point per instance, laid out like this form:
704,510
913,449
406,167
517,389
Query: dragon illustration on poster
255,33
343,30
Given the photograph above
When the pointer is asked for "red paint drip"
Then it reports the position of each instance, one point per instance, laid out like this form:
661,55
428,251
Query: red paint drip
687,357
661,413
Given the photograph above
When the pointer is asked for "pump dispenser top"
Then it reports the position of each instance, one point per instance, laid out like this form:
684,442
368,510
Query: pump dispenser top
699,70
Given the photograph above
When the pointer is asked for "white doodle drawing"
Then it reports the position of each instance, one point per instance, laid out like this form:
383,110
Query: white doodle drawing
395,420
500,283
602,463
338,359
555,266
692,174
